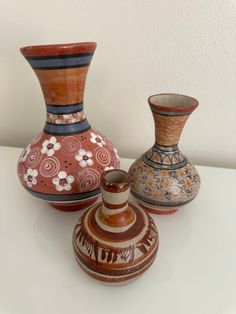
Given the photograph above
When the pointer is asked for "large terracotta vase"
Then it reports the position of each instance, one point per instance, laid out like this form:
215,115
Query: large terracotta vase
63,164
115,241
163,179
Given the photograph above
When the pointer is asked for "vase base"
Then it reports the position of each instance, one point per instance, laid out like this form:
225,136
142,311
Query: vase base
158,210
71,207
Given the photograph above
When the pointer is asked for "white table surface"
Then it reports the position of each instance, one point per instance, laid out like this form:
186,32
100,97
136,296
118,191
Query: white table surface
195,269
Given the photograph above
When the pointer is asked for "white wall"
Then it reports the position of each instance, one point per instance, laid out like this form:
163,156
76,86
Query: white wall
144,47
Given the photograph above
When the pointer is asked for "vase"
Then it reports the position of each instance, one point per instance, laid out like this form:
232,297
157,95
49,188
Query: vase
115,241
163,179
63,164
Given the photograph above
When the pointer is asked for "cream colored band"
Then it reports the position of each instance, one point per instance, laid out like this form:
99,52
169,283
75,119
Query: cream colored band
110,212
115,198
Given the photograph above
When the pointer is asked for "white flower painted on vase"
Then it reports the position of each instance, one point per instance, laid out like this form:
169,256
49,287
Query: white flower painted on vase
25,153
63,181
97,139
30,177
50,146
84,158
108,168
116,153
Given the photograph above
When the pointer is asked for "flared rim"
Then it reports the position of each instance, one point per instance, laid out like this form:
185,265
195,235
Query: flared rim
58,49
115,180
171,102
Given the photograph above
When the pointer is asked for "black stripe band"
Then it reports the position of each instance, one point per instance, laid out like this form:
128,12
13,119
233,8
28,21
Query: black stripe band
166,113
75,55
60,67
67,129
64,198
74,61
65,109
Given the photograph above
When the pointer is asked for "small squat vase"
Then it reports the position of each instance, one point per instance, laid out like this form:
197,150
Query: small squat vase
163,179
63,164
115,241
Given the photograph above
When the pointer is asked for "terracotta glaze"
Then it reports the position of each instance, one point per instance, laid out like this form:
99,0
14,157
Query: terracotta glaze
63,164
115,241
163,179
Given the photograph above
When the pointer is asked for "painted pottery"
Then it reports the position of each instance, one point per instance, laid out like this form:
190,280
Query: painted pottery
163,179
115,241
63,164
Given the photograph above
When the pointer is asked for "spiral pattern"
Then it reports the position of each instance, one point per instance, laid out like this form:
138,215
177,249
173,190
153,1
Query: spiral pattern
34,157
70,145
103,156
49,167
89,179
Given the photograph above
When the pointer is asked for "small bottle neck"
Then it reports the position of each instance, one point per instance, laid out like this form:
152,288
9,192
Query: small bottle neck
115,215
114,203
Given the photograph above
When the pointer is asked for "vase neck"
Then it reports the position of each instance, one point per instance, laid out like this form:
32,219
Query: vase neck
115,214
170,113
62,71
168,129
115,191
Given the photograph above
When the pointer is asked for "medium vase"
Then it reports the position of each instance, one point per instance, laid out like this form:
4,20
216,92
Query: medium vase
163,179
115,241
63,164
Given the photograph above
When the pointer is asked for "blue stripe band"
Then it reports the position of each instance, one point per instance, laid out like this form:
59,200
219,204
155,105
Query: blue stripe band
64,198
60,62
66,129
64,109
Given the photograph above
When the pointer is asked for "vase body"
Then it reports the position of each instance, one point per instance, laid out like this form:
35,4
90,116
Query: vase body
63,164
163,179
115,241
